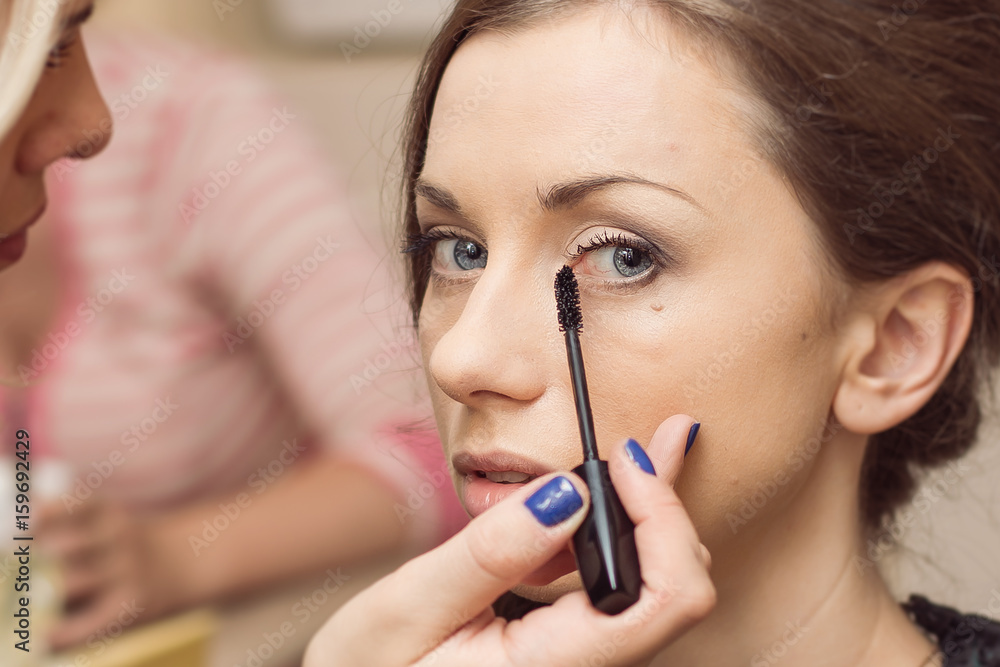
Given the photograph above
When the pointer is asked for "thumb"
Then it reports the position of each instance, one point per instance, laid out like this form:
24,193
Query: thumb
464,576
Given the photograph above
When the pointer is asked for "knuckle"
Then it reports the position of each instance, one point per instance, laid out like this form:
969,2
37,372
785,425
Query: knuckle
706,556
699,600
666,505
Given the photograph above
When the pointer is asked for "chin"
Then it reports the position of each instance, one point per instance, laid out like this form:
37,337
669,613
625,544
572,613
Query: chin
551,592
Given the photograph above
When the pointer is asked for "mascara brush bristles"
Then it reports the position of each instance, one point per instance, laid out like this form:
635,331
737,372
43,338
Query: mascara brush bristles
568,300
570,323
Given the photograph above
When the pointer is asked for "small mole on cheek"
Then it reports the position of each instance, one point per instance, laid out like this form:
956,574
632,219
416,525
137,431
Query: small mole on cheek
805,335
657,307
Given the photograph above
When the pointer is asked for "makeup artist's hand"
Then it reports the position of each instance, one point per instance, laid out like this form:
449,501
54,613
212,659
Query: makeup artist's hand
107,569
436,609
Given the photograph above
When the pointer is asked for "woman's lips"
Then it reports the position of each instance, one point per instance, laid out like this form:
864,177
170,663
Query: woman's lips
480,494
12,246
478,491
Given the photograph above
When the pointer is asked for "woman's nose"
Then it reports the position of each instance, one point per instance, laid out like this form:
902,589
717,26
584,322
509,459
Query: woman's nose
68,118
498,347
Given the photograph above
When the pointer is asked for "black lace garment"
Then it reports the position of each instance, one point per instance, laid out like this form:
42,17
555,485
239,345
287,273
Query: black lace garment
966,640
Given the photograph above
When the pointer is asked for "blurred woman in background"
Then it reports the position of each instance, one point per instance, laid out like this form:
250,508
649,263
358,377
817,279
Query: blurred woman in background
48,101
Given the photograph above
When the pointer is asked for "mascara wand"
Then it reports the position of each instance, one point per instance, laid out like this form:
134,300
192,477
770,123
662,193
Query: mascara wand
605,543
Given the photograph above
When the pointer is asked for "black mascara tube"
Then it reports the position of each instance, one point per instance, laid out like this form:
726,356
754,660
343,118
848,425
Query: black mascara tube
604,544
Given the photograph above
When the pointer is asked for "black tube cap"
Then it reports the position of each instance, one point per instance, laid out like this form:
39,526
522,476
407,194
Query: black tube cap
605,544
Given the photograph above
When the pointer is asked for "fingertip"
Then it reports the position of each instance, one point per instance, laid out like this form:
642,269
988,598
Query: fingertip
637,456
668,444
579,484
692,434
558,499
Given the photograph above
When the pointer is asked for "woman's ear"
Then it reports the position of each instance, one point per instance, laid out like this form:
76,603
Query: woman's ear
900,345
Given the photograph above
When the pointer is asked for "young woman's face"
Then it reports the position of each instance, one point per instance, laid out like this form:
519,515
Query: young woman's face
604,142
65,117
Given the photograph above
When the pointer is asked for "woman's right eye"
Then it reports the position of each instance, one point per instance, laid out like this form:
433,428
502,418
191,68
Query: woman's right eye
459,255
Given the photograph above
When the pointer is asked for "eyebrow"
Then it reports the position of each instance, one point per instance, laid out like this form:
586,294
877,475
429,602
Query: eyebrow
570,194
558,197
437,196
79,18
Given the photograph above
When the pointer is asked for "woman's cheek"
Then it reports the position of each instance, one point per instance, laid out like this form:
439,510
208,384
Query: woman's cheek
745,372
436,318
764,427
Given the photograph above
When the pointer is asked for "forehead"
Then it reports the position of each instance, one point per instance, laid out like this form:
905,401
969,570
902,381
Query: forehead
592,91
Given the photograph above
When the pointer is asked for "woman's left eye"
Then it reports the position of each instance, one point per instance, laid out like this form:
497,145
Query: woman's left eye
626,262
615,257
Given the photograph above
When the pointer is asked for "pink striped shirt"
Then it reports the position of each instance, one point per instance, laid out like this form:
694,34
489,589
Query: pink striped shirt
221,309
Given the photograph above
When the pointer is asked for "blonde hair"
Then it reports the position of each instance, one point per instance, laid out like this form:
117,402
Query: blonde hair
29,28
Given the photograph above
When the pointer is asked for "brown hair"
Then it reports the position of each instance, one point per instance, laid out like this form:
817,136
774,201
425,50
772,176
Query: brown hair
885,120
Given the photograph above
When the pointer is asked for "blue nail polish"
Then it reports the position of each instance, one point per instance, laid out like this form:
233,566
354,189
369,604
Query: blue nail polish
692,434
555,502
637,455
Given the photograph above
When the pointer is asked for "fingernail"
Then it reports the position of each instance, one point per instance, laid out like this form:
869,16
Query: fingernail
692,434
555,502
637,455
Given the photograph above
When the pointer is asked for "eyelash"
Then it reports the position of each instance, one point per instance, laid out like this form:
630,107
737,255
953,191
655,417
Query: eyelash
605,239
60,52
423,243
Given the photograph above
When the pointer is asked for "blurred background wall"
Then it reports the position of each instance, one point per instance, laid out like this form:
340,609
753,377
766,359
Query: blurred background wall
950,538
